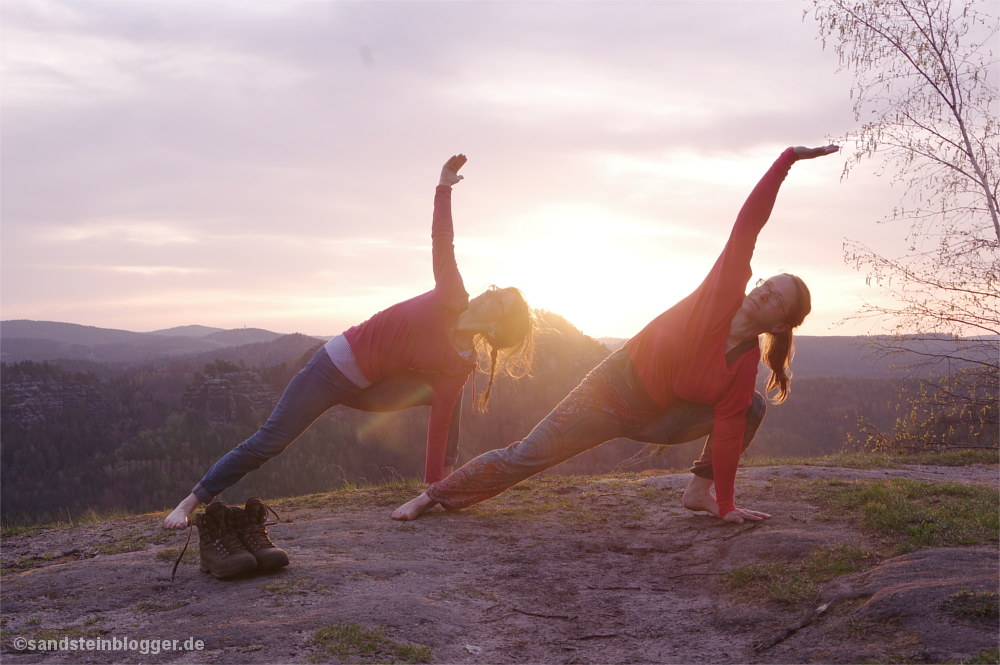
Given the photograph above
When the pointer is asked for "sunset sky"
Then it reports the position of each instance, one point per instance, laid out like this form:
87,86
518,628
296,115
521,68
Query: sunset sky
272,164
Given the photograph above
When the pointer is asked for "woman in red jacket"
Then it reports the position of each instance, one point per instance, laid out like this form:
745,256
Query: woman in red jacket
689,373
420,351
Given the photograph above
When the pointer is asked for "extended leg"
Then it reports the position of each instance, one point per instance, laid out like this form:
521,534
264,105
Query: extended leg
593,413
316,388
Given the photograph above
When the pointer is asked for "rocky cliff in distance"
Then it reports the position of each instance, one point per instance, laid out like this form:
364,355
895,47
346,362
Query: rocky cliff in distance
227,397
34,401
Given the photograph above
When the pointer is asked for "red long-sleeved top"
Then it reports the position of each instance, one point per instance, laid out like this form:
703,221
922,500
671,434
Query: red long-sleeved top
419,333
681,354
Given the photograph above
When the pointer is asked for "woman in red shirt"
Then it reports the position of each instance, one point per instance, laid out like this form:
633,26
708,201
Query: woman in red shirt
689,373
420,351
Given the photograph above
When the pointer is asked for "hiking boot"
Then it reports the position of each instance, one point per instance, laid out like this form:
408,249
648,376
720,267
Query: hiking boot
222,554
250,523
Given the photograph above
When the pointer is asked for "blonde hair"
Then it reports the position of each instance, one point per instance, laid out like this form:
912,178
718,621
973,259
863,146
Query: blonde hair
510,347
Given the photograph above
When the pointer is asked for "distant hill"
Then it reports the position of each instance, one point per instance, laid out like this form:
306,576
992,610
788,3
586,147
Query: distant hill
242,336
257,354
67,333
843,357
856,357
613,343
186,331
833,356
51,340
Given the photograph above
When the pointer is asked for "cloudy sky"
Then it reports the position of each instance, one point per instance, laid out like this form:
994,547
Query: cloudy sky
272,164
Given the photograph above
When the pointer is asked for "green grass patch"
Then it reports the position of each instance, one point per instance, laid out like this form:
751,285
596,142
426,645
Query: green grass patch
846,460
91,516
46,634
170,555
975,604
88,516
12,530
570,496
129,542
515,506
792,583
27,563
988,657
356,643
910,515
953,457
392,493
867,460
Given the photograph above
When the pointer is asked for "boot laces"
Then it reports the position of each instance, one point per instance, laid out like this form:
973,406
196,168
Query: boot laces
219,533
257,531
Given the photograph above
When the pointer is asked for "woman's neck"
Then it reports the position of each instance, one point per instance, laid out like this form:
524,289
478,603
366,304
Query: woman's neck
741,329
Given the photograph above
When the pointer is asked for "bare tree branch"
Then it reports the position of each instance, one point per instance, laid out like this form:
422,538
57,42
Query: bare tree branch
924,80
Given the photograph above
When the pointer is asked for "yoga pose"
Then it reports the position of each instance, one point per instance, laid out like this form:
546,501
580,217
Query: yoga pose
420,351
689,373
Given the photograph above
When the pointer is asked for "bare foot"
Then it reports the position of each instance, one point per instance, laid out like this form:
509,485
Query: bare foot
178,519
411,510
698,496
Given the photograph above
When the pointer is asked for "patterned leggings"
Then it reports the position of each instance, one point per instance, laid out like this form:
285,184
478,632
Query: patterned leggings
603,407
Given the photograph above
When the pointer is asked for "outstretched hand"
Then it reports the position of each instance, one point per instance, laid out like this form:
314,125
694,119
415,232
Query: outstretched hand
449,172
739,515
802,152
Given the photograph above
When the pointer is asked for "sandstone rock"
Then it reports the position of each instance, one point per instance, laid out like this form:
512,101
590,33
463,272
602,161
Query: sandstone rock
227,397
35,402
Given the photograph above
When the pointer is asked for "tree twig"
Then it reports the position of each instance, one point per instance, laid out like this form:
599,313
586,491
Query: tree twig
545,616
791,630
596,637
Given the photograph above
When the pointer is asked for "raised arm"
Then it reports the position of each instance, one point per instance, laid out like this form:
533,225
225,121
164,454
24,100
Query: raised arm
446,276
757,209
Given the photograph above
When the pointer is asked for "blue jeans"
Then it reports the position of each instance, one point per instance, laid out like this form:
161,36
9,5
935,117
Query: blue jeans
320,386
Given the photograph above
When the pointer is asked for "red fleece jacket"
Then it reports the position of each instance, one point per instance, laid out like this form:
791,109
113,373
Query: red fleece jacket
419,334
681,354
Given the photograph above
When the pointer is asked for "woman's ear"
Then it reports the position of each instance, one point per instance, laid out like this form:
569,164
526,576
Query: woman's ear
780,328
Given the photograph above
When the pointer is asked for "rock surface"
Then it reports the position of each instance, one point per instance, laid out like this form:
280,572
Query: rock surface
557,570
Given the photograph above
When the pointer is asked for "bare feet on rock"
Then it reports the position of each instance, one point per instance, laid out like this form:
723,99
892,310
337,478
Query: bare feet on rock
411,510
699,496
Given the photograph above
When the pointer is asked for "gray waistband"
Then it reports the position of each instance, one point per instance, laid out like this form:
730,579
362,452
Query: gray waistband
340,353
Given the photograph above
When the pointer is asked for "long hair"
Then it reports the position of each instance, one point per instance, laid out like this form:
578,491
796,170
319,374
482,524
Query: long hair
778,349
511,347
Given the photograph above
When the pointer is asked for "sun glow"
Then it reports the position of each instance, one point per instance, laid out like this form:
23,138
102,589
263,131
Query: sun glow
606,274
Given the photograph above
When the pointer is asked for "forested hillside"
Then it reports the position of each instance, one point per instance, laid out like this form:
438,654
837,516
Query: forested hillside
80,434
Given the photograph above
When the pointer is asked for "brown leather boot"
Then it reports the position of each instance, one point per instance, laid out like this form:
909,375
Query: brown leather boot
222,554
250,524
